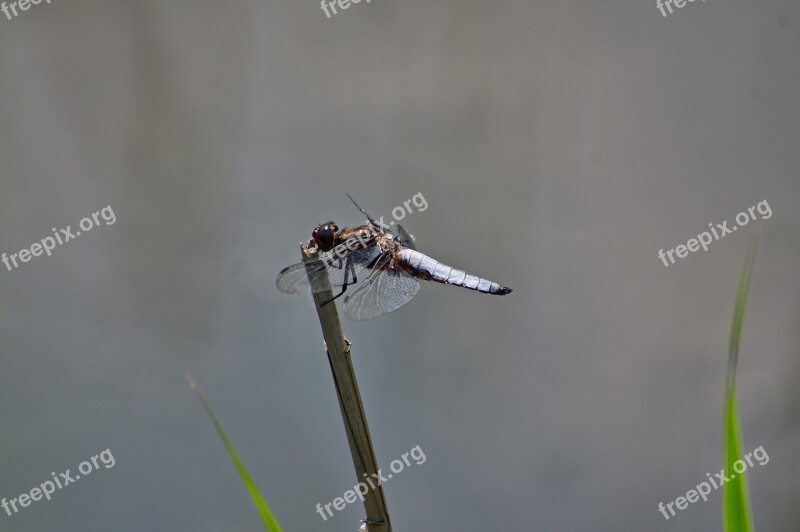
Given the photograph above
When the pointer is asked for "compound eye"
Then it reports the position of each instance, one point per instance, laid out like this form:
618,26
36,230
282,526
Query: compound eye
325,235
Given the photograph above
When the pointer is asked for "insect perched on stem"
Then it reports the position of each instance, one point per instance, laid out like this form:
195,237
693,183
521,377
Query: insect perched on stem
390,262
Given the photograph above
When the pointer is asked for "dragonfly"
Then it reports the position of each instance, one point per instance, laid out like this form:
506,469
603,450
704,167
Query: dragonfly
387,262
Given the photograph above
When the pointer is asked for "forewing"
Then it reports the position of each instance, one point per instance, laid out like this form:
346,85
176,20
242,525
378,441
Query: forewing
342,263
291,278
383,291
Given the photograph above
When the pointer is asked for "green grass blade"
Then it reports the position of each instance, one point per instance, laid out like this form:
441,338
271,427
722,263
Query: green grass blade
267,517
736,512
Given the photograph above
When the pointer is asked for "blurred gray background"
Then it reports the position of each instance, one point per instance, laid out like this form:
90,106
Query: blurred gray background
559,146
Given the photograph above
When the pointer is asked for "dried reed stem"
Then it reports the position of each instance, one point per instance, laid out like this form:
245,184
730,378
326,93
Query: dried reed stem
355,420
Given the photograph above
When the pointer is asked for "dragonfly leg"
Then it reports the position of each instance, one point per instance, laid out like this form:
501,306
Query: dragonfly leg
349,270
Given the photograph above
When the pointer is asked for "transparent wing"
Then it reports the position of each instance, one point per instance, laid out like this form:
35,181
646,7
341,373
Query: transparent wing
291,278
404,238
343,263
383,291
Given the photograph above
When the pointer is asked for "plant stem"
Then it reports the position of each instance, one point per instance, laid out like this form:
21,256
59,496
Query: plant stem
337,348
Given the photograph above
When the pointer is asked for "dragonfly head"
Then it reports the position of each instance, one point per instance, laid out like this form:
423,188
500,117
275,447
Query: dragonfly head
325,235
